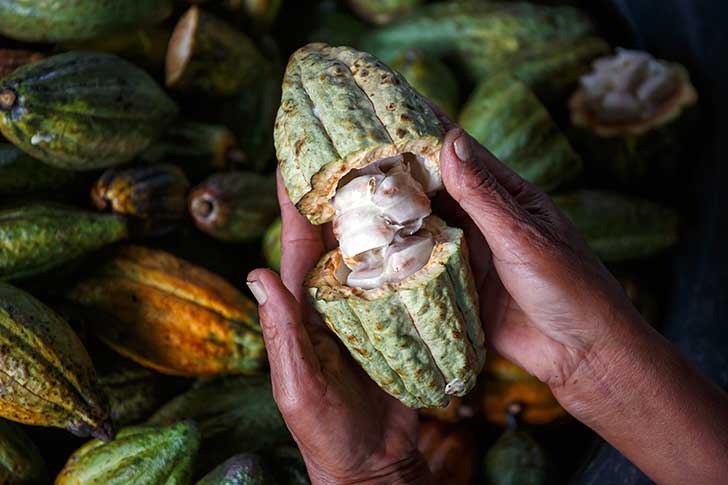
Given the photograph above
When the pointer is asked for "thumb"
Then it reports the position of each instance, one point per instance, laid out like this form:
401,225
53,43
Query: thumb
293,362
483,186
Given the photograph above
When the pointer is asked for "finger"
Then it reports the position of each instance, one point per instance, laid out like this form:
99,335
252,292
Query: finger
294,366
301,244
445,121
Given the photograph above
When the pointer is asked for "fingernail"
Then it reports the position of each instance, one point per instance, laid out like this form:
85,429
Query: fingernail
462,147
258,291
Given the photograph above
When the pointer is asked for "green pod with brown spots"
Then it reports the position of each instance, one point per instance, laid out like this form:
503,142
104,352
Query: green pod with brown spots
240,469
431,78
618,227
46,376
234,206
272,245
505,115
20,460
83,110
144,455
381,12
36,237
206,54
11,59
59,20
154,196
20,173
236,414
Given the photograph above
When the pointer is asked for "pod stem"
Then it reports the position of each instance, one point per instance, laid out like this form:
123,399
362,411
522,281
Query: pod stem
8,97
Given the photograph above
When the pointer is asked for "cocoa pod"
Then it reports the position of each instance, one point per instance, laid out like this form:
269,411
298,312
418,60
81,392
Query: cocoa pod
20,460
169,315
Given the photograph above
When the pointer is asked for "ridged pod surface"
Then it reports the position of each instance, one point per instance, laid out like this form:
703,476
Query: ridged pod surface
485,37
236,414
59,20
36,237
419,339
170,315
143,455
505,116
20,460
46,376
619,227
83,110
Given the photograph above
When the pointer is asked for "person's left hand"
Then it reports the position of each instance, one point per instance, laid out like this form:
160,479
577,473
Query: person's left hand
348,430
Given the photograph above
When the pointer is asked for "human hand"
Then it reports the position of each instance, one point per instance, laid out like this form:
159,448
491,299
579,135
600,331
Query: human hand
348,430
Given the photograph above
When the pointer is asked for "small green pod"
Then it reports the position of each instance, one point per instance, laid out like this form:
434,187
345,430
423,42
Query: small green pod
241,469
36,237
142,455
505,116
516,459
60,20
11,59
234,206
83,110
431,78
617,227
242,416
381,12
21,174
155,196
20,460
200,148
272,245
208,55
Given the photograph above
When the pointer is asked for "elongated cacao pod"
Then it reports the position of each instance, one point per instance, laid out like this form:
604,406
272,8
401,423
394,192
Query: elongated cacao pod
234,206
20,460
83,110
169,315
145,455
37,237
205,53
46,378
236,414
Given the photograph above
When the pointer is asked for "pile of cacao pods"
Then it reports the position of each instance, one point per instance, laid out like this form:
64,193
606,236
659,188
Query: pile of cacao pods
137,189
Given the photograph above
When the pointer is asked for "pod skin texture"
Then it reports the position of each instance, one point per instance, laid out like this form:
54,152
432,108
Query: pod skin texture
142,455
20,460
420,339
171,316
47,377
36,237
59,20
83,110
242,469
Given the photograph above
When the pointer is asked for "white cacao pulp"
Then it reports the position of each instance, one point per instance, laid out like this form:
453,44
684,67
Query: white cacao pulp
379,215
630,86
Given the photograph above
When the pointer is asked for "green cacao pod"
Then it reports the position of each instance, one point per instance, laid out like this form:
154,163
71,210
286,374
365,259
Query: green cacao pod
143,455
517,459
288,466
11,59
199,148
431,78
235,414
20,460
631,151
272,245
58,20
234,206
153,195
382,11
134,392
507,118
36,237
83,110
20,173
420,339
208,55
484,37
172,316
47,377
242,469
618,227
